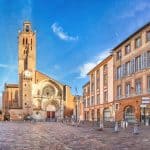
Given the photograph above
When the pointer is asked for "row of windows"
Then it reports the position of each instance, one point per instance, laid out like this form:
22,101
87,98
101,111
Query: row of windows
130,90
105,78
92,103
25,41
136,64
138,43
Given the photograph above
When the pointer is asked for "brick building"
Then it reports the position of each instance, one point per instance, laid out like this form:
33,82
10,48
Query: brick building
121,86
98,92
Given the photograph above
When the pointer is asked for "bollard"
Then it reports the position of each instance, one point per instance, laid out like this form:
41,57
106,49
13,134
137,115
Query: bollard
135,129
116,129
126,124
101,126
147,122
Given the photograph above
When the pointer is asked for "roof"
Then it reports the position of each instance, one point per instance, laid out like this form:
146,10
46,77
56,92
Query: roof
11,85
51,78
101,63
133,34
86,84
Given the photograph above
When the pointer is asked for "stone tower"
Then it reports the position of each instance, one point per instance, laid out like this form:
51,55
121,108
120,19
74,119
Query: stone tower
26,66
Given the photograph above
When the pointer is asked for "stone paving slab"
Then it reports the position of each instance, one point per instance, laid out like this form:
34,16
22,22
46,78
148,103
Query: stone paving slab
58,136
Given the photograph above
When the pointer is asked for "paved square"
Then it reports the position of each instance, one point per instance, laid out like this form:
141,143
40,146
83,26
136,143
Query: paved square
58,136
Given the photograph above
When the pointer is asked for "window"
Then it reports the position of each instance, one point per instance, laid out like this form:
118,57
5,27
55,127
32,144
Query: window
88,90
148,36
119,91
127,49
127,68
148,83
119,55
88,102
117,106
138,42
84,102
105,96
119,72
92,87
148,59
105,68
92,77
23,41
97,83
138,63
138,86
92,101
97,79
105,79
98,99
27,28
127,89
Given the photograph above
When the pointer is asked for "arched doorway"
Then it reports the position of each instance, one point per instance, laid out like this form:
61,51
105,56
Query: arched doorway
51,110
129,114
107,114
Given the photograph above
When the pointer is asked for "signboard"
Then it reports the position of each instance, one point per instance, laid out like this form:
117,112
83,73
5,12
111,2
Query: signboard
145,100
142,105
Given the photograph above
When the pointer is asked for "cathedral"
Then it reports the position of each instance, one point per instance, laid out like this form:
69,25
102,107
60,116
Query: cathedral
36,94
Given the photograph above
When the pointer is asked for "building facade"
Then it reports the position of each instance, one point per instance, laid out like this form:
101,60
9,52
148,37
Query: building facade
132,75
36,94
98,92
120,82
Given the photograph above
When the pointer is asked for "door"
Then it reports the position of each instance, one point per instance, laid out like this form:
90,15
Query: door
107,114
51,114
48,114
129,114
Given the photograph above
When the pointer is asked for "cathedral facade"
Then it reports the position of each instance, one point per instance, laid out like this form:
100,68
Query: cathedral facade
36,94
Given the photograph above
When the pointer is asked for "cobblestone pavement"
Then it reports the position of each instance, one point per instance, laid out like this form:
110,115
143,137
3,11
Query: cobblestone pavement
58,136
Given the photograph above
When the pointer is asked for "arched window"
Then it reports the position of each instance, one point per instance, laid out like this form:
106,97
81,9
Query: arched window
23,41
129,114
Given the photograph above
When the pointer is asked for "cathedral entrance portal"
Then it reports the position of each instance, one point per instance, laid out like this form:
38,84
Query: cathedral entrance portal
50,114
51,109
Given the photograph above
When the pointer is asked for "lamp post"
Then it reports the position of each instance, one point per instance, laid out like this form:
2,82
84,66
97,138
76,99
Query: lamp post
76,106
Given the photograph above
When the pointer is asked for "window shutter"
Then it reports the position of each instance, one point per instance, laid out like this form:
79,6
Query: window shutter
124,70
145,59
130,67
148,59
132,64
142,61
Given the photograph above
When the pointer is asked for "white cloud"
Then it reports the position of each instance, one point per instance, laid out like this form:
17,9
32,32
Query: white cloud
59,31
85,68
7,66
136,8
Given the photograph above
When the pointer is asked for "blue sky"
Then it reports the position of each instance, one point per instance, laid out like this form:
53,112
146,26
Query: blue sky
72,35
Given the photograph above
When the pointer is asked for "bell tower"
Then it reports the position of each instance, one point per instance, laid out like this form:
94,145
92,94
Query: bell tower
26,66
27,49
